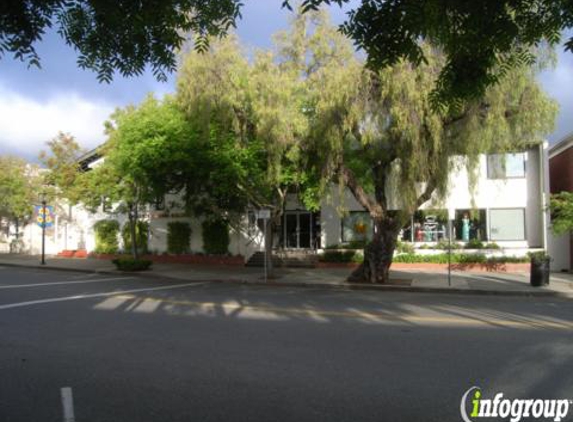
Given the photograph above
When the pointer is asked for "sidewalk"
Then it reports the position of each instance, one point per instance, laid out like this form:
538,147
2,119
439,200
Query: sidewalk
561,284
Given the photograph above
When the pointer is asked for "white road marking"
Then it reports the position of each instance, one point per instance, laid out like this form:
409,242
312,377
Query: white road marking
68,404
92,295
55,283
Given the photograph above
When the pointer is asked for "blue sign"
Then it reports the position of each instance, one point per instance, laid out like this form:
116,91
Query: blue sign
46,220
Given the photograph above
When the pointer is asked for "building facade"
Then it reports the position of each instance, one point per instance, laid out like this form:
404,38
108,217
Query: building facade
507,207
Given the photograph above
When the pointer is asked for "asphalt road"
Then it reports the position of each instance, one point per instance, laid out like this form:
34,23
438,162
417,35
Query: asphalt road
135,349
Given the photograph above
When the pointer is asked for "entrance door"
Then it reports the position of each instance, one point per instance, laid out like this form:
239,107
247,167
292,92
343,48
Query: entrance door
298,229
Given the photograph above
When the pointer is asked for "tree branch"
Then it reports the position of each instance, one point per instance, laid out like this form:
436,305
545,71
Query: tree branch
427,194
361,196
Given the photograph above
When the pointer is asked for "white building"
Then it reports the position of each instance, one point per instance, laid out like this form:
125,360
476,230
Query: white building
507,207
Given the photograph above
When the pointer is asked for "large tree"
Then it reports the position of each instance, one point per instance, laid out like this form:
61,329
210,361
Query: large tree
145,148
253,114
378,135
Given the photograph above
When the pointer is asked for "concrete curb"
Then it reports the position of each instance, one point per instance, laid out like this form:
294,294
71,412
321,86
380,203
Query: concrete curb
323,286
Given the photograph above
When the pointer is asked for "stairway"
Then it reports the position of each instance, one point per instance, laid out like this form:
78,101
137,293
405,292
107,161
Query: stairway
291,259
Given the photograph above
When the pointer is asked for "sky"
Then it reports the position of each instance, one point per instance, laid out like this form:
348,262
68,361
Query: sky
35,104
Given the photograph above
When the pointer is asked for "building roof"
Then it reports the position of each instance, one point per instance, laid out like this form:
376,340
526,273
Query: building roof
563,144
89,157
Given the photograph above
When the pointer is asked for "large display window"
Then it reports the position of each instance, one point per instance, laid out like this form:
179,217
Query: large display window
507,224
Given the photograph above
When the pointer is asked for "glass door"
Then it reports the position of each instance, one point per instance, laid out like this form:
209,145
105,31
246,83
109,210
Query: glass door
297,229
304,230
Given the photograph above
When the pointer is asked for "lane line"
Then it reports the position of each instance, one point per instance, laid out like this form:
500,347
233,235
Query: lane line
210,307
68,404
56,283
93,295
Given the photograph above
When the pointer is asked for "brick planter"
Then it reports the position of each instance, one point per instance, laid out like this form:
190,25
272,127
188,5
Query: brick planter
183,259
68,253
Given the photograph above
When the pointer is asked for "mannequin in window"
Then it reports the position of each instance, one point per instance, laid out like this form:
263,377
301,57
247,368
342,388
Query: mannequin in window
466,227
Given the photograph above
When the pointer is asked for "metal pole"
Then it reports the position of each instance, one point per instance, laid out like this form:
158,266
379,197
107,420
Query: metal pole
449,252
43,232
265,220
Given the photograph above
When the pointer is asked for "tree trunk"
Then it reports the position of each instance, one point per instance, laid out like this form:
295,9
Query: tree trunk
378,253
132,228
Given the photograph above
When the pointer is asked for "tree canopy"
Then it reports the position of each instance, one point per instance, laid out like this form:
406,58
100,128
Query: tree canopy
481,40
19,188
115,36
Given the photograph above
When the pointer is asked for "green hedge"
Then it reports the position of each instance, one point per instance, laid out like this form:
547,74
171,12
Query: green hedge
341,256
130,264
458,258
216,237
141,229
178,237
106,236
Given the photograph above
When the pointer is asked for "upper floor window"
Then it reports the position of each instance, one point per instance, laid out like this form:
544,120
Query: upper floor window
506,166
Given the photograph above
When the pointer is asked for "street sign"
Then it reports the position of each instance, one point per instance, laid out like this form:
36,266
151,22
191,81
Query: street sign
48,219
263,214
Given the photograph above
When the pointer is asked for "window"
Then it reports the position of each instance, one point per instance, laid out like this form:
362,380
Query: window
470,224
428,226
507,224
504,166
357,227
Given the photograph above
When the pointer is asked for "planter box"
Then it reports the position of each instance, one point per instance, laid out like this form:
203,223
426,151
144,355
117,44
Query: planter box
68,253
183,259
495,268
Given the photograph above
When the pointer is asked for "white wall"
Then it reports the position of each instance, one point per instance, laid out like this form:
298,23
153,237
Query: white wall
489,194
559,250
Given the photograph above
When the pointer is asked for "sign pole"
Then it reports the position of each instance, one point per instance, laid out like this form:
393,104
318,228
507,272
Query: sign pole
451,218
266,257
43,232
450,252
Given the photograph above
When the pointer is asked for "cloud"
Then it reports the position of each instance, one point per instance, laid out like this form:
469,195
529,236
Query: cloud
28,123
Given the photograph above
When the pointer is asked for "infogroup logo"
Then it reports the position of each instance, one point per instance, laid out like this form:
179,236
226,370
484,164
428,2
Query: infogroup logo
516,409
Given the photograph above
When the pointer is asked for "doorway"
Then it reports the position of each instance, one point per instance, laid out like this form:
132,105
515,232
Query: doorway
298,229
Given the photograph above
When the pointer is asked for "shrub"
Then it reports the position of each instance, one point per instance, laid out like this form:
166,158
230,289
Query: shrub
141,229
538,257
106,236
492,245
131,264
215,237
341,256
445,245
474,244
178,237
404,247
